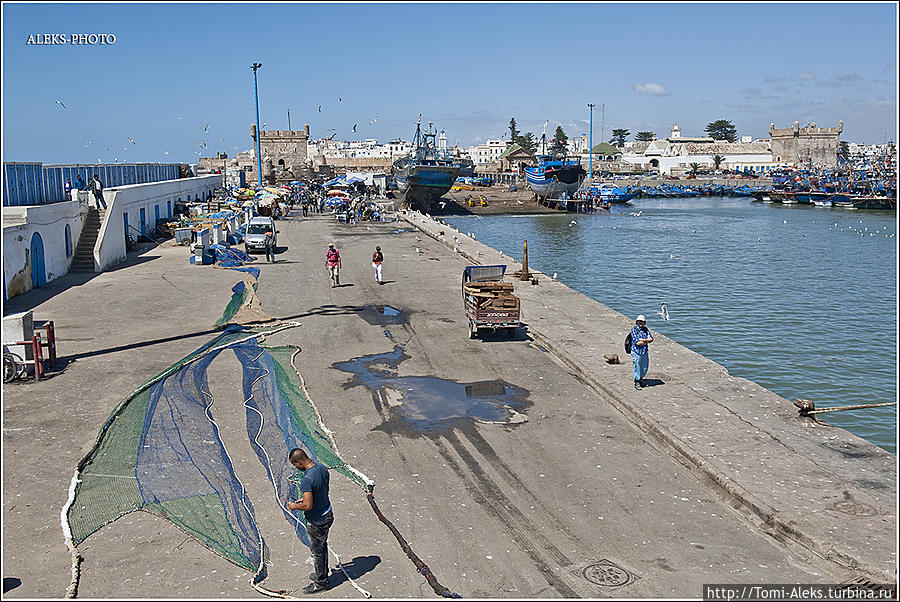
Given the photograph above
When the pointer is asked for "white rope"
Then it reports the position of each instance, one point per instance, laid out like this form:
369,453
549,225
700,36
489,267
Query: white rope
243,490
275,487
327,431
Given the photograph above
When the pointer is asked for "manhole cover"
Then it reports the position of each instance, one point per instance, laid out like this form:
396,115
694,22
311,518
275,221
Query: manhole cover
608,574
854,508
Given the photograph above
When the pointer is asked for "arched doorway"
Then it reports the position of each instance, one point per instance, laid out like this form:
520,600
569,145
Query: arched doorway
38,276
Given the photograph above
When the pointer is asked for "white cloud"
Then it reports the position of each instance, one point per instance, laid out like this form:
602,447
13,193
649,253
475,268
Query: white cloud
651,89
805,75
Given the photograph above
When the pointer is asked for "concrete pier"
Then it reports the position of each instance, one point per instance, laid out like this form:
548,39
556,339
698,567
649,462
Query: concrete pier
596,490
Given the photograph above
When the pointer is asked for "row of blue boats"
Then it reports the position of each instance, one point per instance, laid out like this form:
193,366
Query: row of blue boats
622,194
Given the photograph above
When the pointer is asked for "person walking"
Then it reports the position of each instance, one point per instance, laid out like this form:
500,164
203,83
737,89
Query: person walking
377,261
333,264
97,189
640,352
270,246
319,515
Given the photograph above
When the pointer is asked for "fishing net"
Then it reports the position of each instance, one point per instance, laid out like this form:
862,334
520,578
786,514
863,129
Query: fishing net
244,307
160,451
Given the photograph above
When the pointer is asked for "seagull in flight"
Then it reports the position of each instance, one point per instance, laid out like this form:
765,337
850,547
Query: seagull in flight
332,136
59,102
374,119
339,99
663,312
205,127
320,108
132,141
354,126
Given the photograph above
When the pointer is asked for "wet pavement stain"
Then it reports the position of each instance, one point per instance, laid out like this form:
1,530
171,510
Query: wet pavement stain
381,314
430,404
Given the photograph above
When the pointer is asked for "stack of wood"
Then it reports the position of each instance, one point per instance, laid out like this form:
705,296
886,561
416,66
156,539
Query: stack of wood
493,295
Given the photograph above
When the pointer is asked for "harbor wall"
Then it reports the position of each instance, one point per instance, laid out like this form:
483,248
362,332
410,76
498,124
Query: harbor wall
58,226
830,493
125,204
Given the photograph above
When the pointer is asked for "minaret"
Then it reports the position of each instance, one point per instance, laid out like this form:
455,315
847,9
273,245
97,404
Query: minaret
676,132
442,141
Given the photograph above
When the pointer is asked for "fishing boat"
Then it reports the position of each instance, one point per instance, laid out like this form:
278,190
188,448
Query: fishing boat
424,175
554,177
874,202
614,194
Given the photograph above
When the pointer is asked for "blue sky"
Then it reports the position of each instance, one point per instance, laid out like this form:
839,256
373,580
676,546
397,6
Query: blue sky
175,68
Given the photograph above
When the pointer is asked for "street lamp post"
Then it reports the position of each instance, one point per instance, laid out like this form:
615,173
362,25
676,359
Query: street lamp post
591,145
256,66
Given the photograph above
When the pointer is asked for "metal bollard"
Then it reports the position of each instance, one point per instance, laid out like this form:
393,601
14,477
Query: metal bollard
38,356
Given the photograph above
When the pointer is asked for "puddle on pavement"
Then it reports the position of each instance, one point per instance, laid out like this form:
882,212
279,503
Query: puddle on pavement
427,403
382,314
402,230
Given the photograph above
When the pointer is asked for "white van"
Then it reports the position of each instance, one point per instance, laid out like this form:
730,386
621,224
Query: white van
256,238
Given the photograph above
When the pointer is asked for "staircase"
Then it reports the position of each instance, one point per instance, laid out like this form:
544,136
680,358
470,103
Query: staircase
83,261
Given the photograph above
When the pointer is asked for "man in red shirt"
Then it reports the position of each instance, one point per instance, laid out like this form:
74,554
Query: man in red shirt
333,264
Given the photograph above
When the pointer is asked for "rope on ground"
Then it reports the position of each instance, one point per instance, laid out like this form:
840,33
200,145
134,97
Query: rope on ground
810,409
421,566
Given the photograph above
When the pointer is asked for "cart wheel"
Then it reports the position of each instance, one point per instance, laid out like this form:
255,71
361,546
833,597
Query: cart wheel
14,367
473,331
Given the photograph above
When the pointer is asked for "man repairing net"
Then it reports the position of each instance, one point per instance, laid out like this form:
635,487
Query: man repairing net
319,517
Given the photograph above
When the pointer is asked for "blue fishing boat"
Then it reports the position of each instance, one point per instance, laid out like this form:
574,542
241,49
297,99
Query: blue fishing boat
554,177
425,174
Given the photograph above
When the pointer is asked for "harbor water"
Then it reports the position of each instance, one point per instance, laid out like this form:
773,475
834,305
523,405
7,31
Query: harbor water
800,299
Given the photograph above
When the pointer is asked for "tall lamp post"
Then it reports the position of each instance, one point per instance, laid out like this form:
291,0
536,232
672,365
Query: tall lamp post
591,145
256,66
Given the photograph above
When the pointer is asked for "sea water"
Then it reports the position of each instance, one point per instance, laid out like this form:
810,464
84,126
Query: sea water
800,299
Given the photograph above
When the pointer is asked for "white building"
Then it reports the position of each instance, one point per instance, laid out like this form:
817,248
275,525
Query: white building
677,153
489,152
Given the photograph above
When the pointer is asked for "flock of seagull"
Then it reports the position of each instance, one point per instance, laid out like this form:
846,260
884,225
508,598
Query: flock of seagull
202,142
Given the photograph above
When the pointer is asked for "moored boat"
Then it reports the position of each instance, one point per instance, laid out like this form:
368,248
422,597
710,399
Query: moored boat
423,176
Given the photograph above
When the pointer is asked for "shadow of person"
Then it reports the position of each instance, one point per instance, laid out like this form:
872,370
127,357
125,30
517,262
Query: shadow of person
356,568
652,382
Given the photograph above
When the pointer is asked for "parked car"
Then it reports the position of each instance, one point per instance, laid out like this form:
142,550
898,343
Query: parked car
259,232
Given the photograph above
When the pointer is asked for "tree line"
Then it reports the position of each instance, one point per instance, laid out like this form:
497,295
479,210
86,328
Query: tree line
721,129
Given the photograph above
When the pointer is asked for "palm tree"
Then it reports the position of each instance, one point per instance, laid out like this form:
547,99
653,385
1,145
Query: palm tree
717,161
695,167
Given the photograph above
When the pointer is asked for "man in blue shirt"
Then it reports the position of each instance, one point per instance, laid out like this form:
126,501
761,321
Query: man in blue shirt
319,517
640,352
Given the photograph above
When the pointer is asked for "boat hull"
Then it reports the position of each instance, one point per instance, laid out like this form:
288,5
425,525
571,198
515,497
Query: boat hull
423,185
563,180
